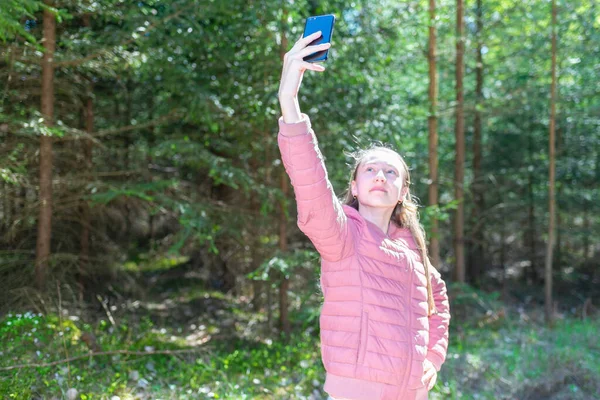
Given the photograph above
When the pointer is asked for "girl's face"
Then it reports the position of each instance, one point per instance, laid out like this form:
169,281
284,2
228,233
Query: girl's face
380,181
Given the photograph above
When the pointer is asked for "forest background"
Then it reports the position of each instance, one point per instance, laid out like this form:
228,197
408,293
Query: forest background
148,238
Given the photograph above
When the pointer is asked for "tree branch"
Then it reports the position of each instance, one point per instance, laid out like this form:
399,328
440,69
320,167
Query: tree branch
108,353
80,134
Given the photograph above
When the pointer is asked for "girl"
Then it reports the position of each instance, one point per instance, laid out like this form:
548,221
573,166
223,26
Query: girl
385,316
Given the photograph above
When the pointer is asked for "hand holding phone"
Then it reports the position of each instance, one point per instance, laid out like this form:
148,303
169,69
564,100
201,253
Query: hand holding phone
304,55
323,23
294,67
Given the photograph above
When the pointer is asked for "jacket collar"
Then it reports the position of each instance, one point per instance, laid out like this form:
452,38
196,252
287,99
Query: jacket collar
394,231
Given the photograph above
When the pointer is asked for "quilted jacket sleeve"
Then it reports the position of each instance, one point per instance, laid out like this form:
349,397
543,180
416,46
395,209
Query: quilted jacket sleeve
320,213
438,323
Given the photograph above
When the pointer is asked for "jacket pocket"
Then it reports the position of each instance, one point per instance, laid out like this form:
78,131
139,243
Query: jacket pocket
364,336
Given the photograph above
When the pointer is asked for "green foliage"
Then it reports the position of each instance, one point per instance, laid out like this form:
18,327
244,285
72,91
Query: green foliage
14,169
285,264
521,360
196,225
148,263
515,360
143,191
185,102
11,11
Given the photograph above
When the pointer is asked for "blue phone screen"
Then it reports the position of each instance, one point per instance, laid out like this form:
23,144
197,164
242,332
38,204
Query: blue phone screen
323,23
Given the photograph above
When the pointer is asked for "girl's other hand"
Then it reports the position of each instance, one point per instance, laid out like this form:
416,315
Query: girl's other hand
429,375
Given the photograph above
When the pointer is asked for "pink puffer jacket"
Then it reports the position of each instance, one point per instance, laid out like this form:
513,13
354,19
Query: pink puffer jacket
375,332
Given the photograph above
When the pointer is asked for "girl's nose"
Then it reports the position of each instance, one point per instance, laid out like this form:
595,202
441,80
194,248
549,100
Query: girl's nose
380,175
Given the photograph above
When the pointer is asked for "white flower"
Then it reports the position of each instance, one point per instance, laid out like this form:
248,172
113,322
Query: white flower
143,383
72,394
204,389
134,375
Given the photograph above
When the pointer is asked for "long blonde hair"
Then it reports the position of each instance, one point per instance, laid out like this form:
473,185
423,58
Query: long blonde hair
405,214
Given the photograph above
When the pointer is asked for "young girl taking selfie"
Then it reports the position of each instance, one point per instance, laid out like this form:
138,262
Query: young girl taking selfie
385,316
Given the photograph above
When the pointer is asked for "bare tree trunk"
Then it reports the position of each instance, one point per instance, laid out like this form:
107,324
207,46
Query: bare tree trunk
476,269
551,200
586,229
459,168
47,106
149,161
7,216
268,284
84,208
126,145
128,113
434,242
256,230
559,250
532,275
284,320
503,260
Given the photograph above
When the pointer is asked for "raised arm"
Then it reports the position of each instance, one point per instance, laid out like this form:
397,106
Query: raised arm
320,213
439,322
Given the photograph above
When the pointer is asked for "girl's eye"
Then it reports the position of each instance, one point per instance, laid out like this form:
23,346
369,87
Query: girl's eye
370,169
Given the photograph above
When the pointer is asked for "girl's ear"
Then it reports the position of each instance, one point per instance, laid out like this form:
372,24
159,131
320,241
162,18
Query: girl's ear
353,188
404,192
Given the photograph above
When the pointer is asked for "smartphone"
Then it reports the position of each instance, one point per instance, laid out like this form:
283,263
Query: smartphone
323,23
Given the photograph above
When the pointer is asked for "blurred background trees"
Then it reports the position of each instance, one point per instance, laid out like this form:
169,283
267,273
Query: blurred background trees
151,135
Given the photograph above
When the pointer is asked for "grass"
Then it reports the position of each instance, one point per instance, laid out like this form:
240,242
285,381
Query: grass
230,369
515,361
524,361
229,353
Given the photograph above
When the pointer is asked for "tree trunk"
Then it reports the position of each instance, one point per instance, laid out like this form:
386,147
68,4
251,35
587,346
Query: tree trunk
503,260
84,207
47,106
126,145
127,115
532,275
558,261
476,270
7,216
268,284
586,229
148,167
434,242
551,199
459,168
284,320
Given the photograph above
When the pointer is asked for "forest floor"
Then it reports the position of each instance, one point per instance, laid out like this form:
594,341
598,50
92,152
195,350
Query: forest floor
215,346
